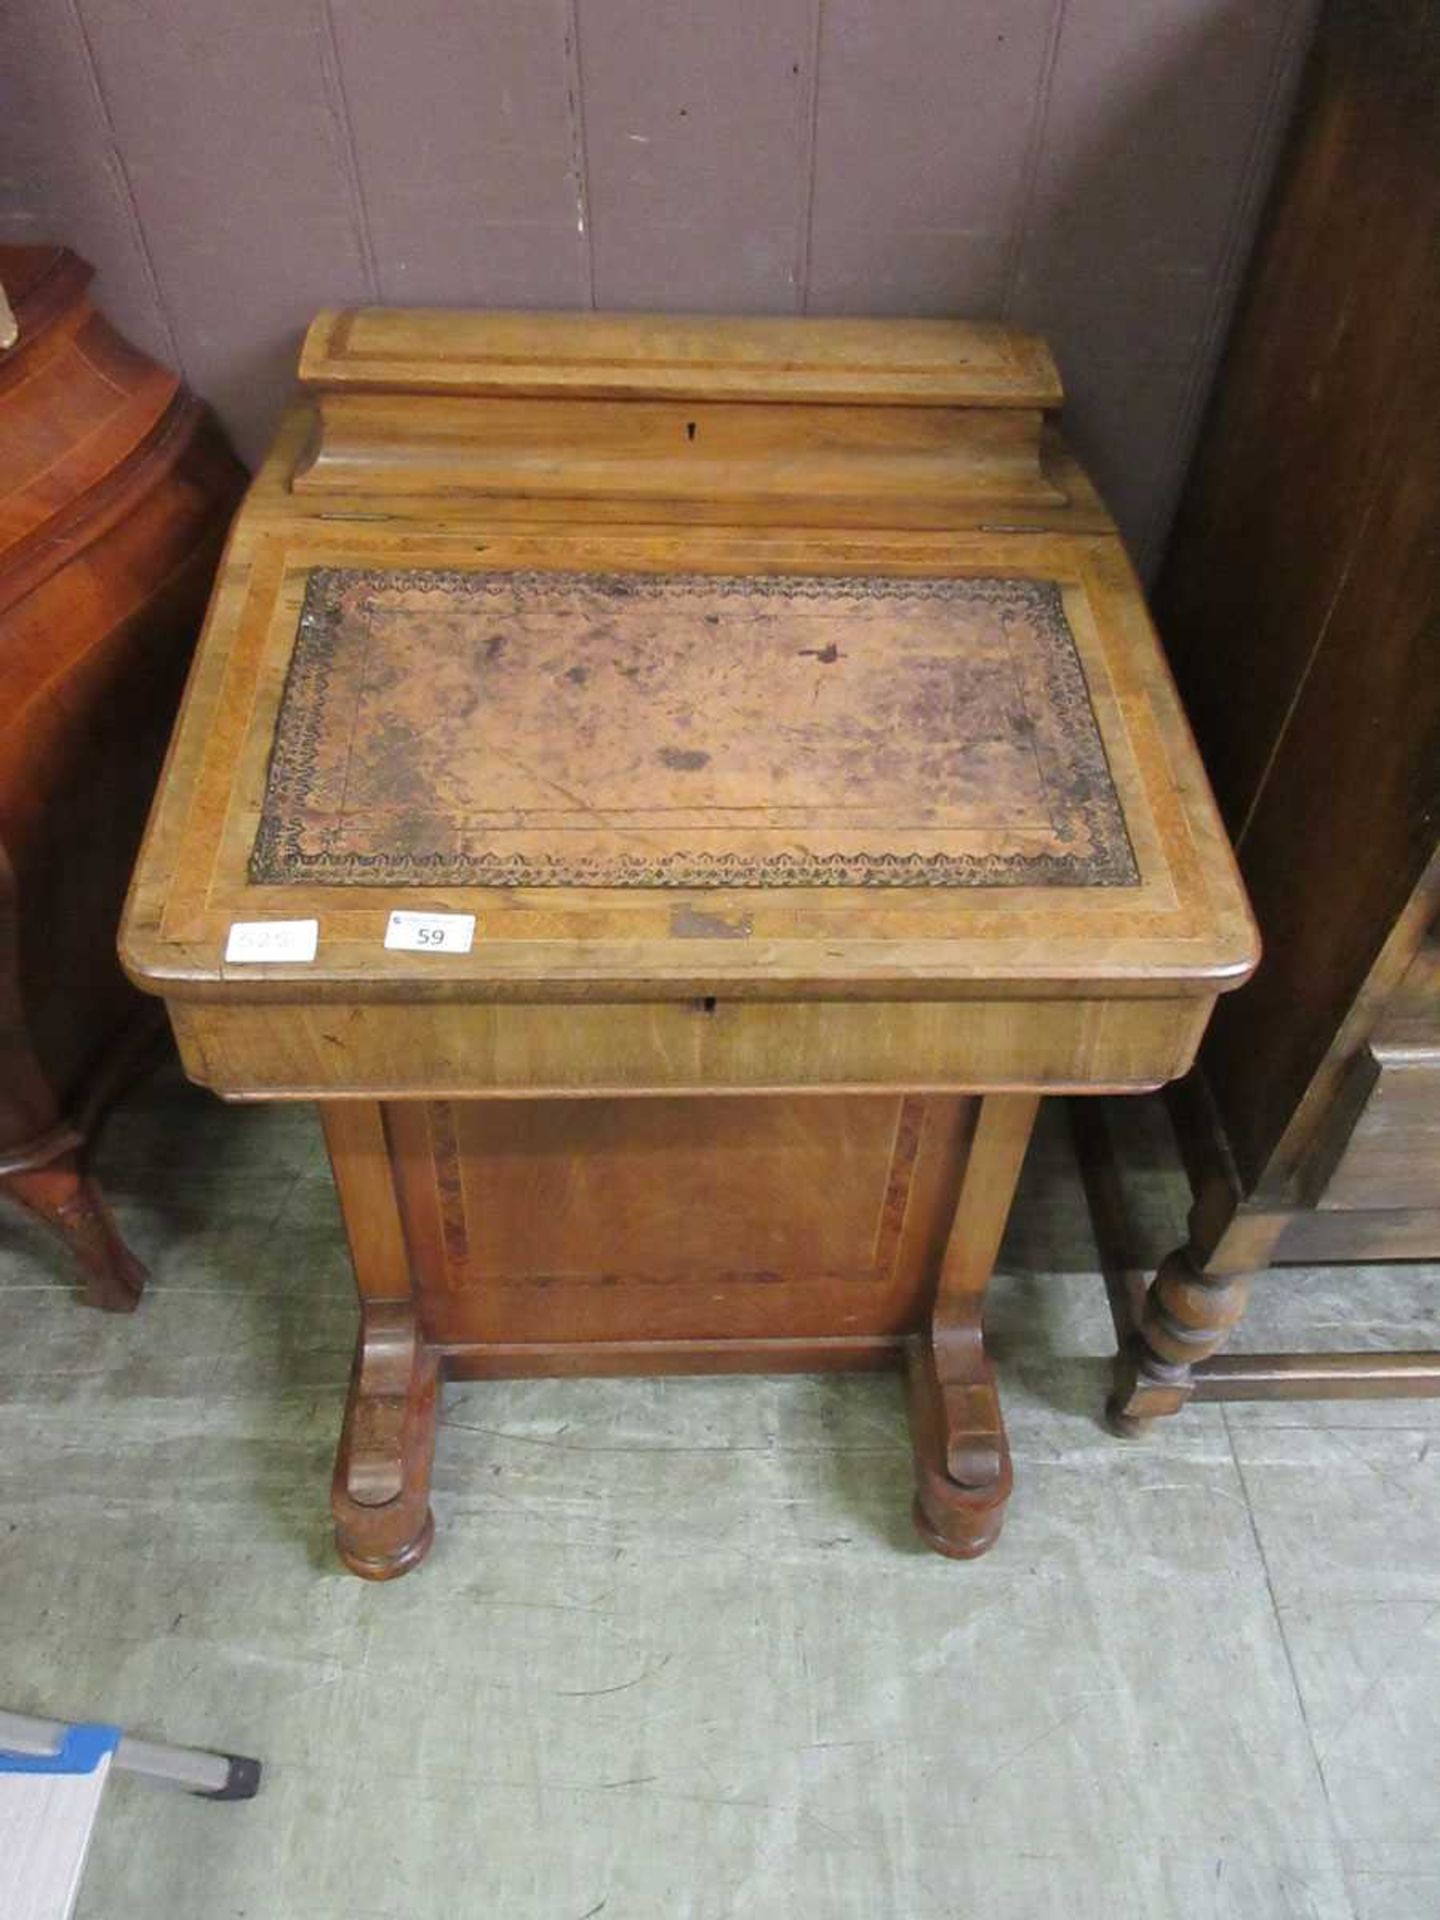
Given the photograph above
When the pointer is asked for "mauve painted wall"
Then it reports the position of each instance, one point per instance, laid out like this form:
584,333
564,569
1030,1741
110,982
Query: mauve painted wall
1091,168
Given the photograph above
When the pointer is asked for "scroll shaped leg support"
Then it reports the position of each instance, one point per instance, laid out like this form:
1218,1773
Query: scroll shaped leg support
61,1194
1189,1312
381,1491
962,1459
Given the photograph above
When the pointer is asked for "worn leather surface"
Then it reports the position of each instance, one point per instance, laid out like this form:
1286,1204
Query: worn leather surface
630,730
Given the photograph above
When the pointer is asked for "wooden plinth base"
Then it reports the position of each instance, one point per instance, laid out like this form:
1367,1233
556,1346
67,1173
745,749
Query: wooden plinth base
381,1492
956,1428
384,1526
392,1566
420,1185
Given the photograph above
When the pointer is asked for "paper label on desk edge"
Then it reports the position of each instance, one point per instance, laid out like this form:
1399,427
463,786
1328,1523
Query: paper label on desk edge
272,942
408,932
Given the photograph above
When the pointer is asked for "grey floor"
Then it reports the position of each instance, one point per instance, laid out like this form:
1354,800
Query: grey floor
676,1655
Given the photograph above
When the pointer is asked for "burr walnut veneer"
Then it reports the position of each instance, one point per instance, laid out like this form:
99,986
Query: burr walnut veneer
777,697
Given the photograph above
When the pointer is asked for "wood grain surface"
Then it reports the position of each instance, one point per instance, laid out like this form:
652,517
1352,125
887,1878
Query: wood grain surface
1299,606
539,355
115,489
805,845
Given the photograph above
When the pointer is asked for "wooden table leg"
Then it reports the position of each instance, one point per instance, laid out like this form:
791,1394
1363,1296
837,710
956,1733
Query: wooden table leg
962,1459
1194,1302
59,1192
44,1153
381,1491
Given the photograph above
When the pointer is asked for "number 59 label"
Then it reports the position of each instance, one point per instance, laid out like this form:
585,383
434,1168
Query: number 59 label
430,932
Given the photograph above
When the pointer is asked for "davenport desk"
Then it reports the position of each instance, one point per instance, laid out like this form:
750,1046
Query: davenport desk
776,699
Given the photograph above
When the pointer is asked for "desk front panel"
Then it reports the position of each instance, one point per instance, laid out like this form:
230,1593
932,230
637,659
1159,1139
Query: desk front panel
546,1230
397,1049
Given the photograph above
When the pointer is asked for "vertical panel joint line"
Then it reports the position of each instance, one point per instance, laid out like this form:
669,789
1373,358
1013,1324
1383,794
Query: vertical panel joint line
579,150
809,141
1034,149
1195,390
128,197
334,80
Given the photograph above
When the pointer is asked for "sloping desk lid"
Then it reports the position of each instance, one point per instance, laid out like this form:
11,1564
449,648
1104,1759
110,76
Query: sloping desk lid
608,730
657,754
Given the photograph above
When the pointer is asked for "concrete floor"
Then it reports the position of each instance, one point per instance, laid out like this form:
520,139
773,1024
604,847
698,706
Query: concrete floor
677,1655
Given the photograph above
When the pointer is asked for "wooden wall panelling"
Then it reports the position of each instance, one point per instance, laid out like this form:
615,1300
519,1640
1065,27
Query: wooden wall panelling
62,176
1187,105
232,169
1133,284
696,120
237,149
465,126
924,217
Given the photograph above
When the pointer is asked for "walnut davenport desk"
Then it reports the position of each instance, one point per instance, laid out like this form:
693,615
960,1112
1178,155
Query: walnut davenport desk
777,700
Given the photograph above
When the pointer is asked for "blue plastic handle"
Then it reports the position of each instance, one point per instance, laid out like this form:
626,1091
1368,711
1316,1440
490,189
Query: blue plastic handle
81,1751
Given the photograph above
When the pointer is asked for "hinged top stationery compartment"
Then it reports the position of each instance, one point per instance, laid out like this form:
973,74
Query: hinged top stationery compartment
852,422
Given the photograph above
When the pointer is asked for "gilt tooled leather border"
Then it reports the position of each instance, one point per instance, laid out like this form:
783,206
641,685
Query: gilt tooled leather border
279,856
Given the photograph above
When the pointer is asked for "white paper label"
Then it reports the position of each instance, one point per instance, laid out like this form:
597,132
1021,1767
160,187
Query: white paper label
272,942
430,932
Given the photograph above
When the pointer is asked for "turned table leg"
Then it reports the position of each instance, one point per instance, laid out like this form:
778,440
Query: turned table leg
381,1491
1193,1303
962,1459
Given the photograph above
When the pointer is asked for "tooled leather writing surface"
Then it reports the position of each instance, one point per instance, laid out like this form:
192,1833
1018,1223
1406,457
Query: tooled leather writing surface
634,730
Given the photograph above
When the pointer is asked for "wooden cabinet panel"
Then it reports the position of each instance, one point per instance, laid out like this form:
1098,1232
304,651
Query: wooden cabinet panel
115,490
1298,604
570,1221
1392,1158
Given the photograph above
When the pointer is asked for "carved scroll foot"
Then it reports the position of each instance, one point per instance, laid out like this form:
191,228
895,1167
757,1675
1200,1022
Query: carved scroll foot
963,1475
962,1459
1188,1316
381,1491
59,1193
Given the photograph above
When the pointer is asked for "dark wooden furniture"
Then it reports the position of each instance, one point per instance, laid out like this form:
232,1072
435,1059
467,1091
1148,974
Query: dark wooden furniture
1300,604
115,490
777,699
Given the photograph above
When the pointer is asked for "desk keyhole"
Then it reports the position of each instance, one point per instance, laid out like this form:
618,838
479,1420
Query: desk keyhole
689,429
707,1005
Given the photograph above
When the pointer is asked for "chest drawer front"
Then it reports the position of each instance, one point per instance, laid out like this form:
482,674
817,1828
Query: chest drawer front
1392,1158
402,1048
